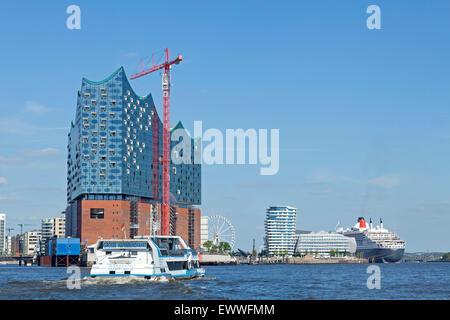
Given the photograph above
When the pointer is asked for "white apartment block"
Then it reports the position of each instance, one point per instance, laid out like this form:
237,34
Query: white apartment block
280,227
2,233
53,227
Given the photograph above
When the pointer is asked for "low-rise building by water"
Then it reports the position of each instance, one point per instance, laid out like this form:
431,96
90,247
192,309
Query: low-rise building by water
322,244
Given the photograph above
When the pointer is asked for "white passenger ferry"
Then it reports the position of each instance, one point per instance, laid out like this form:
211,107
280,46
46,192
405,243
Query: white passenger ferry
151,257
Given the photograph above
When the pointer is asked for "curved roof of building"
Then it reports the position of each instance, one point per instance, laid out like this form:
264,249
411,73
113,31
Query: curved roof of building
119,70
125,78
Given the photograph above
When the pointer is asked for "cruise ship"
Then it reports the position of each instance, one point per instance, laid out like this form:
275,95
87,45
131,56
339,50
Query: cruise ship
375,243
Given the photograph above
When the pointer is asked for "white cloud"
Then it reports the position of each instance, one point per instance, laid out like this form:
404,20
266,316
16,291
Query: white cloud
55,129
251,184
321,192
4,160
304,149
7,198
14,125
35,107
42,153
3,180
385,181
433,208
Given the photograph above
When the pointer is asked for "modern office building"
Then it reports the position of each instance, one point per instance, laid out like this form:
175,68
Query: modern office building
31,242
114,172
323,243
2,232
280,226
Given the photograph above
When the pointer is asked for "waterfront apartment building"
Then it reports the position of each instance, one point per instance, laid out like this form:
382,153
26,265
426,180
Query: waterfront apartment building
2,233
114,172
323,243
31,242
52,228
280,224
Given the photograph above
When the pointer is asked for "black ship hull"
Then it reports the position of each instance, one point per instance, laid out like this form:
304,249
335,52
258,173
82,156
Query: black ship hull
382,255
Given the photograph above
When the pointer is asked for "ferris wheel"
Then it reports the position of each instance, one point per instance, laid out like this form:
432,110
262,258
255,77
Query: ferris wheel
220,229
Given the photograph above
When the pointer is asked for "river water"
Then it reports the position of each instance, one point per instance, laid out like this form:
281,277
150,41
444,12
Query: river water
326,281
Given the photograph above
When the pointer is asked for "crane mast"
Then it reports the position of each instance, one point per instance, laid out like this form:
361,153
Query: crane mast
165,219
166,148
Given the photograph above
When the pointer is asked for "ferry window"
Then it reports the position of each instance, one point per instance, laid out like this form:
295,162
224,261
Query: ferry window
97,213
107,252
134,253
175,265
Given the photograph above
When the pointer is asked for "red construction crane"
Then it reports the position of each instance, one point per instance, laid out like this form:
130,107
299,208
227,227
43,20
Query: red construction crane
165,223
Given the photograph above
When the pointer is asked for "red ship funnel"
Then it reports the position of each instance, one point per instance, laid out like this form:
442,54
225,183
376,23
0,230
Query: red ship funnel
362,223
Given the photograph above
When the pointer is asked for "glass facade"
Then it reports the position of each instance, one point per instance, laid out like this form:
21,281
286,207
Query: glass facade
110,155
280,226
185,178
322,243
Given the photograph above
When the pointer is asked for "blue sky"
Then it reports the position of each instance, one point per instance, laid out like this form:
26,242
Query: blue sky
363,114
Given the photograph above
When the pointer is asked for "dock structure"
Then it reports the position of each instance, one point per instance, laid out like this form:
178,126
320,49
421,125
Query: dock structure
22,260
59,261
217,259
63,252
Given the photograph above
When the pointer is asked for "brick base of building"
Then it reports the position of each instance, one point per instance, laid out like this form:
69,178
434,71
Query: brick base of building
91,219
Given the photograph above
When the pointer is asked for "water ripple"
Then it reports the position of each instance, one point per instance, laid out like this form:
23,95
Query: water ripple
400,281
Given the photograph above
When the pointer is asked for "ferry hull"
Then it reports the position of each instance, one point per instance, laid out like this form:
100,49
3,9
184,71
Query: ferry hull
152,277
144,272
382,255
